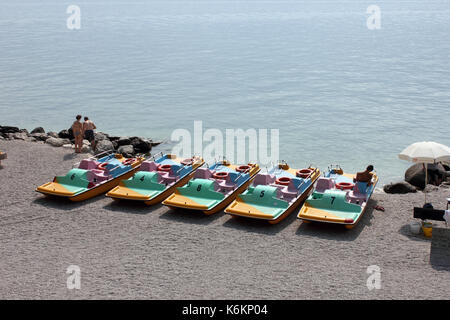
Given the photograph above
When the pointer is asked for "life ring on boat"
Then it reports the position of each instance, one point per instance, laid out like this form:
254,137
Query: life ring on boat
164,167
129,162
187,162
284,181
304,173
244,168
102,166
220,175
344,185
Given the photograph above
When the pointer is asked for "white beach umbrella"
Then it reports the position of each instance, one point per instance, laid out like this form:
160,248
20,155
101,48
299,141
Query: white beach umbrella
426,152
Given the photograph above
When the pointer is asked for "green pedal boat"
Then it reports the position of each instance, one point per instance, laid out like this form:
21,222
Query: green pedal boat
274,195
157,179
213,188
338,198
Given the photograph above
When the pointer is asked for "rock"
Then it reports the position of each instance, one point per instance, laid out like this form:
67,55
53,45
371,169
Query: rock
127,151
40,136
20,136
87,143
104,145
66,134
447,174
1,137
53,134
99,136
445,185
86,149
156,143
123,141
399,187
57,142
113,138
141,145
430,188
8,129
24,131
415,175
38,130
68,146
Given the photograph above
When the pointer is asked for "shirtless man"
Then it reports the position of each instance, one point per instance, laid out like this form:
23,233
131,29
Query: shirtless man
88,129
365,176
77,129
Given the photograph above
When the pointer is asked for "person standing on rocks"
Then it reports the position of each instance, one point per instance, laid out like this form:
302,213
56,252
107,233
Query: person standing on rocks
88,129
77,129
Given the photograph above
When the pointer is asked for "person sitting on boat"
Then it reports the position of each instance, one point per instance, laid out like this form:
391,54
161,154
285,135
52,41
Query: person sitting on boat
365,176
88,129
77,129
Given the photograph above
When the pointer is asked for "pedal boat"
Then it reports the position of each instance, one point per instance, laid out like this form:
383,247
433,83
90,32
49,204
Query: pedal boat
338,199
272,196
156,180
91,177
213,188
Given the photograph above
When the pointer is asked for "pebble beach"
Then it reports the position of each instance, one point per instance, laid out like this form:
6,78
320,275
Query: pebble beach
132,251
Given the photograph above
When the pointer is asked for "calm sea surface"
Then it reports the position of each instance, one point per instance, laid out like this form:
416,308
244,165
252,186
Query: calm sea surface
337,91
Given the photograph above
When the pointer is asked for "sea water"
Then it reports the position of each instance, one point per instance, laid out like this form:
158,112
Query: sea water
339,92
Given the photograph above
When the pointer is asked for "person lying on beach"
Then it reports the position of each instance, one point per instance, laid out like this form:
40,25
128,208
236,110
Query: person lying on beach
77,129
88,129
365,176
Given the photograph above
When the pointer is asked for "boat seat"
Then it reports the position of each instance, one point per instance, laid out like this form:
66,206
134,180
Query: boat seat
353,199
264,179
324,184
226,185
97,176
289,194
203,173
359,193
361,188
278,186
167,177
88,164
148,166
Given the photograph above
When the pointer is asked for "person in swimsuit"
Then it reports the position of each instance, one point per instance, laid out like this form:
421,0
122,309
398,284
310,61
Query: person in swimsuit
88,129
365,176
77,129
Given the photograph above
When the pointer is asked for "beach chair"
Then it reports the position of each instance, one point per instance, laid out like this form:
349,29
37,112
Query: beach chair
429,214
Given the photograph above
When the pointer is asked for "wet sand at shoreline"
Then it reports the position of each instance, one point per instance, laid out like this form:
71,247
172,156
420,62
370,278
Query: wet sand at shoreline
131,251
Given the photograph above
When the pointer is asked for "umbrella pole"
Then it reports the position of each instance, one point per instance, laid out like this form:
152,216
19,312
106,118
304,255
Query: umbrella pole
426,181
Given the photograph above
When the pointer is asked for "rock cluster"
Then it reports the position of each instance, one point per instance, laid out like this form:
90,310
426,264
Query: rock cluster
128,146
438,174
399,187
415,175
